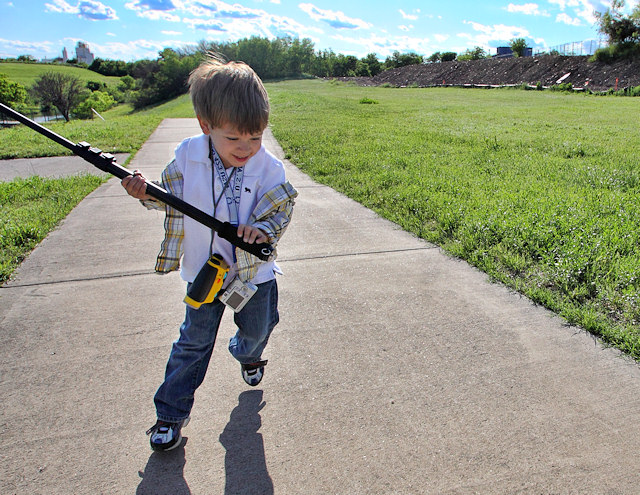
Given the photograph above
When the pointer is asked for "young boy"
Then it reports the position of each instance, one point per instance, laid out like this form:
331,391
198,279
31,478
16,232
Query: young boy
227,172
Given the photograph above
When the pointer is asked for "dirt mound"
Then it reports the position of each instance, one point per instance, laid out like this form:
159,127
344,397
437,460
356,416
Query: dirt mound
547,70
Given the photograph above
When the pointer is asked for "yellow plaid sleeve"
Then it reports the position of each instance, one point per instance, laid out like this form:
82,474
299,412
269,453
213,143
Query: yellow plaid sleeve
272,215
171,247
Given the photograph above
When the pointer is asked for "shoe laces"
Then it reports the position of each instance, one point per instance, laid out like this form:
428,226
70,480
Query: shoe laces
159,424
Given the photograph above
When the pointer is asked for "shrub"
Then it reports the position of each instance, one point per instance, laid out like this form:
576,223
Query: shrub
96,86
98,100
620,51
562,87
11,93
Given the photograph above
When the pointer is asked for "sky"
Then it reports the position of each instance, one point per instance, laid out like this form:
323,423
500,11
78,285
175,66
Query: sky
137,29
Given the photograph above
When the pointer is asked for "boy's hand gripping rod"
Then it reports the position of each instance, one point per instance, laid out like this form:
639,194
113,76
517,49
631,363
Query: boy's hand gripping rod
106,162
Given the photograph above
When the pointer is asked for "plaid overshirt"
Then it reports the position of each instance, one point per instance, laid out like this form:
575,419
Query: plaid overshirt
171,247
272,215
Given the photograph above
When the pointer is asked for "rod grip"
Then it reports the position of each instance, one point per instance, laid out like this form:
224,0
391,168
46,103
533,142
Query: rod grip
230,233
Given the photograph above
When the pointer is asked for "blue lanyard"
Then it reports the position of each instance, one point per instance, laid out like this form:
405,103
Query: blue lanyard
232,194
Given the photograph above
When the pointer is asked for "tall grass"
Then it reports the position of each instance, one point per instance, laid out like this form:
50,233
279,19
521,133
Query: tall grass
538,189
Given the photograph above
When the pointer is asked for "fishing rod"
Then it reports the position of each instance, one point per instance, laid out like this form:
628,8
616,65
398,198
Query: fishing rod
106,162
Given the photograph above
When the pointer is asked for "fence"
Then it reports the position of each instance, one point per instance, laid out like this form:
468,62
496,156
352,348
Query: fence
575,48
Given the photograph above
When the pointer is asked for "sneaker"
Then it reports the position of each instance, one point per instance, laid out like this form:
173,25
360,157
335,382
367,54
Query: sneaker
165,435
252,373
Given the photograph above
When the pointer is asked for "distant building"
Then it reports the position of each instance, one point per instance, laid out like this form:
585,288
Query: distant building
65,55
83,54
507,52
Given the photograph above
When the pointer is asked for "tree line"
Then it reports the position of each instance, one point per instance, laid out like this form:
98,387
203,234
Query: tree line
147,82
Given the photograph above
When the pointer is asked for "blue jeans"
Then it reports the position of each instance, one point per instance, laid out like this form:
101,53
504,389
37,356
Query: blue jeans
191,353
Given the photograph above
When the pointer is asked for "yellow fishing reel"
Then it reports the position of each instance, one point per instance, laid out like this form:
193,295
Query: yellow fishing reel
208,282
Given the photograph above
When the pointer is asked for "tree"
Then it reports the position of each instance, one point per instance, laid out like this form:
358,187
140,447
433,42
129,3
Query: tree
617,27
11,93
398,59
110,67
256,52
167,79
518,46
63,91
448,56
299,55
343,65
368,66
477,53
435,57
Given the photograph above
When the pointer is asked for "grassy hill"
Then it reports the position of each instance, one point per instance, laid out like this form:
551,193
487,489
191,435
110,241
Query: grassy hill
123,131
27,73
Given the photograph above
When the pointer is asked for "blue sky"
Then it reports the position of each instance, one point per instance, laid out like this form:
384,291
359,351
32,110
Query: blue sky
135,29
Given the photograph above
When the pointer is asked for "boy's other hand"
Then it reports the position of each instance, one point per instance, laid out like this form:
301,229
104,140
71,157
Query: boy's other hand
136,185
251,234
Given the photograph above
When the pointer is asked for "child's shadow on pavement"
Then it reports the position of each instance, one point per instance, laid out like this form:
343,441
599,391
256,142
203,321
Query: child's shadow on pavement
245,462
164,473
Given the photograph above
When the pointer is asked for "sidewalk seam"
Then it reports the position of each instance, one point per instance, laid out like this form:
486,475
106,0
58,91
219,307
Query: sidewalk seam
138,273
361,253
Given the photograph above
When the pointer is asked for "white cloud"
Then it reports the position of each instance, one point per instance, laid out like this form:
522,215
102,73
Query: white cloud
87,9
37,46
171,33
582,9
587,12
62,7
335,18
566,19
205,24
494,35
405,28
527,9
383,46
155,10
410,17
133,50
441,38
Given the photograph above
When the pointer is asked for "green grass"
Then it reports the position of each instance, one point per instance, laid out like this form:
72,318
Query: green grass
122,131
30,209
26,74
538,189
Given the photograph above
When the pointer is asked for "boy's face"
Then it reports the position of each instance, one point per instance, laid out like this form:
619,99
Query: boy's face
234,148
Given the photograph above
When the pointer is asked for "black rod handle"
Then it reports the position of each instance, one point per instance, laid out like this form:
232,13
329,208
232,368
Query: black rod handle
106,162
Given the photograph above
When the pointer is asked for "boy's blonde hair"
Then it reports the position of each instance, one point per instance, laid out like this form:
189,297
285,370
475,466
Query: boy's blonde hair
229,93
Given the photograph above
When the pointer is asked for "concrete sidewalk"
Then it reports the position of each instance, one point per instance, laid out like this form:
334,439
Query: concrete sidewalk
394,370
